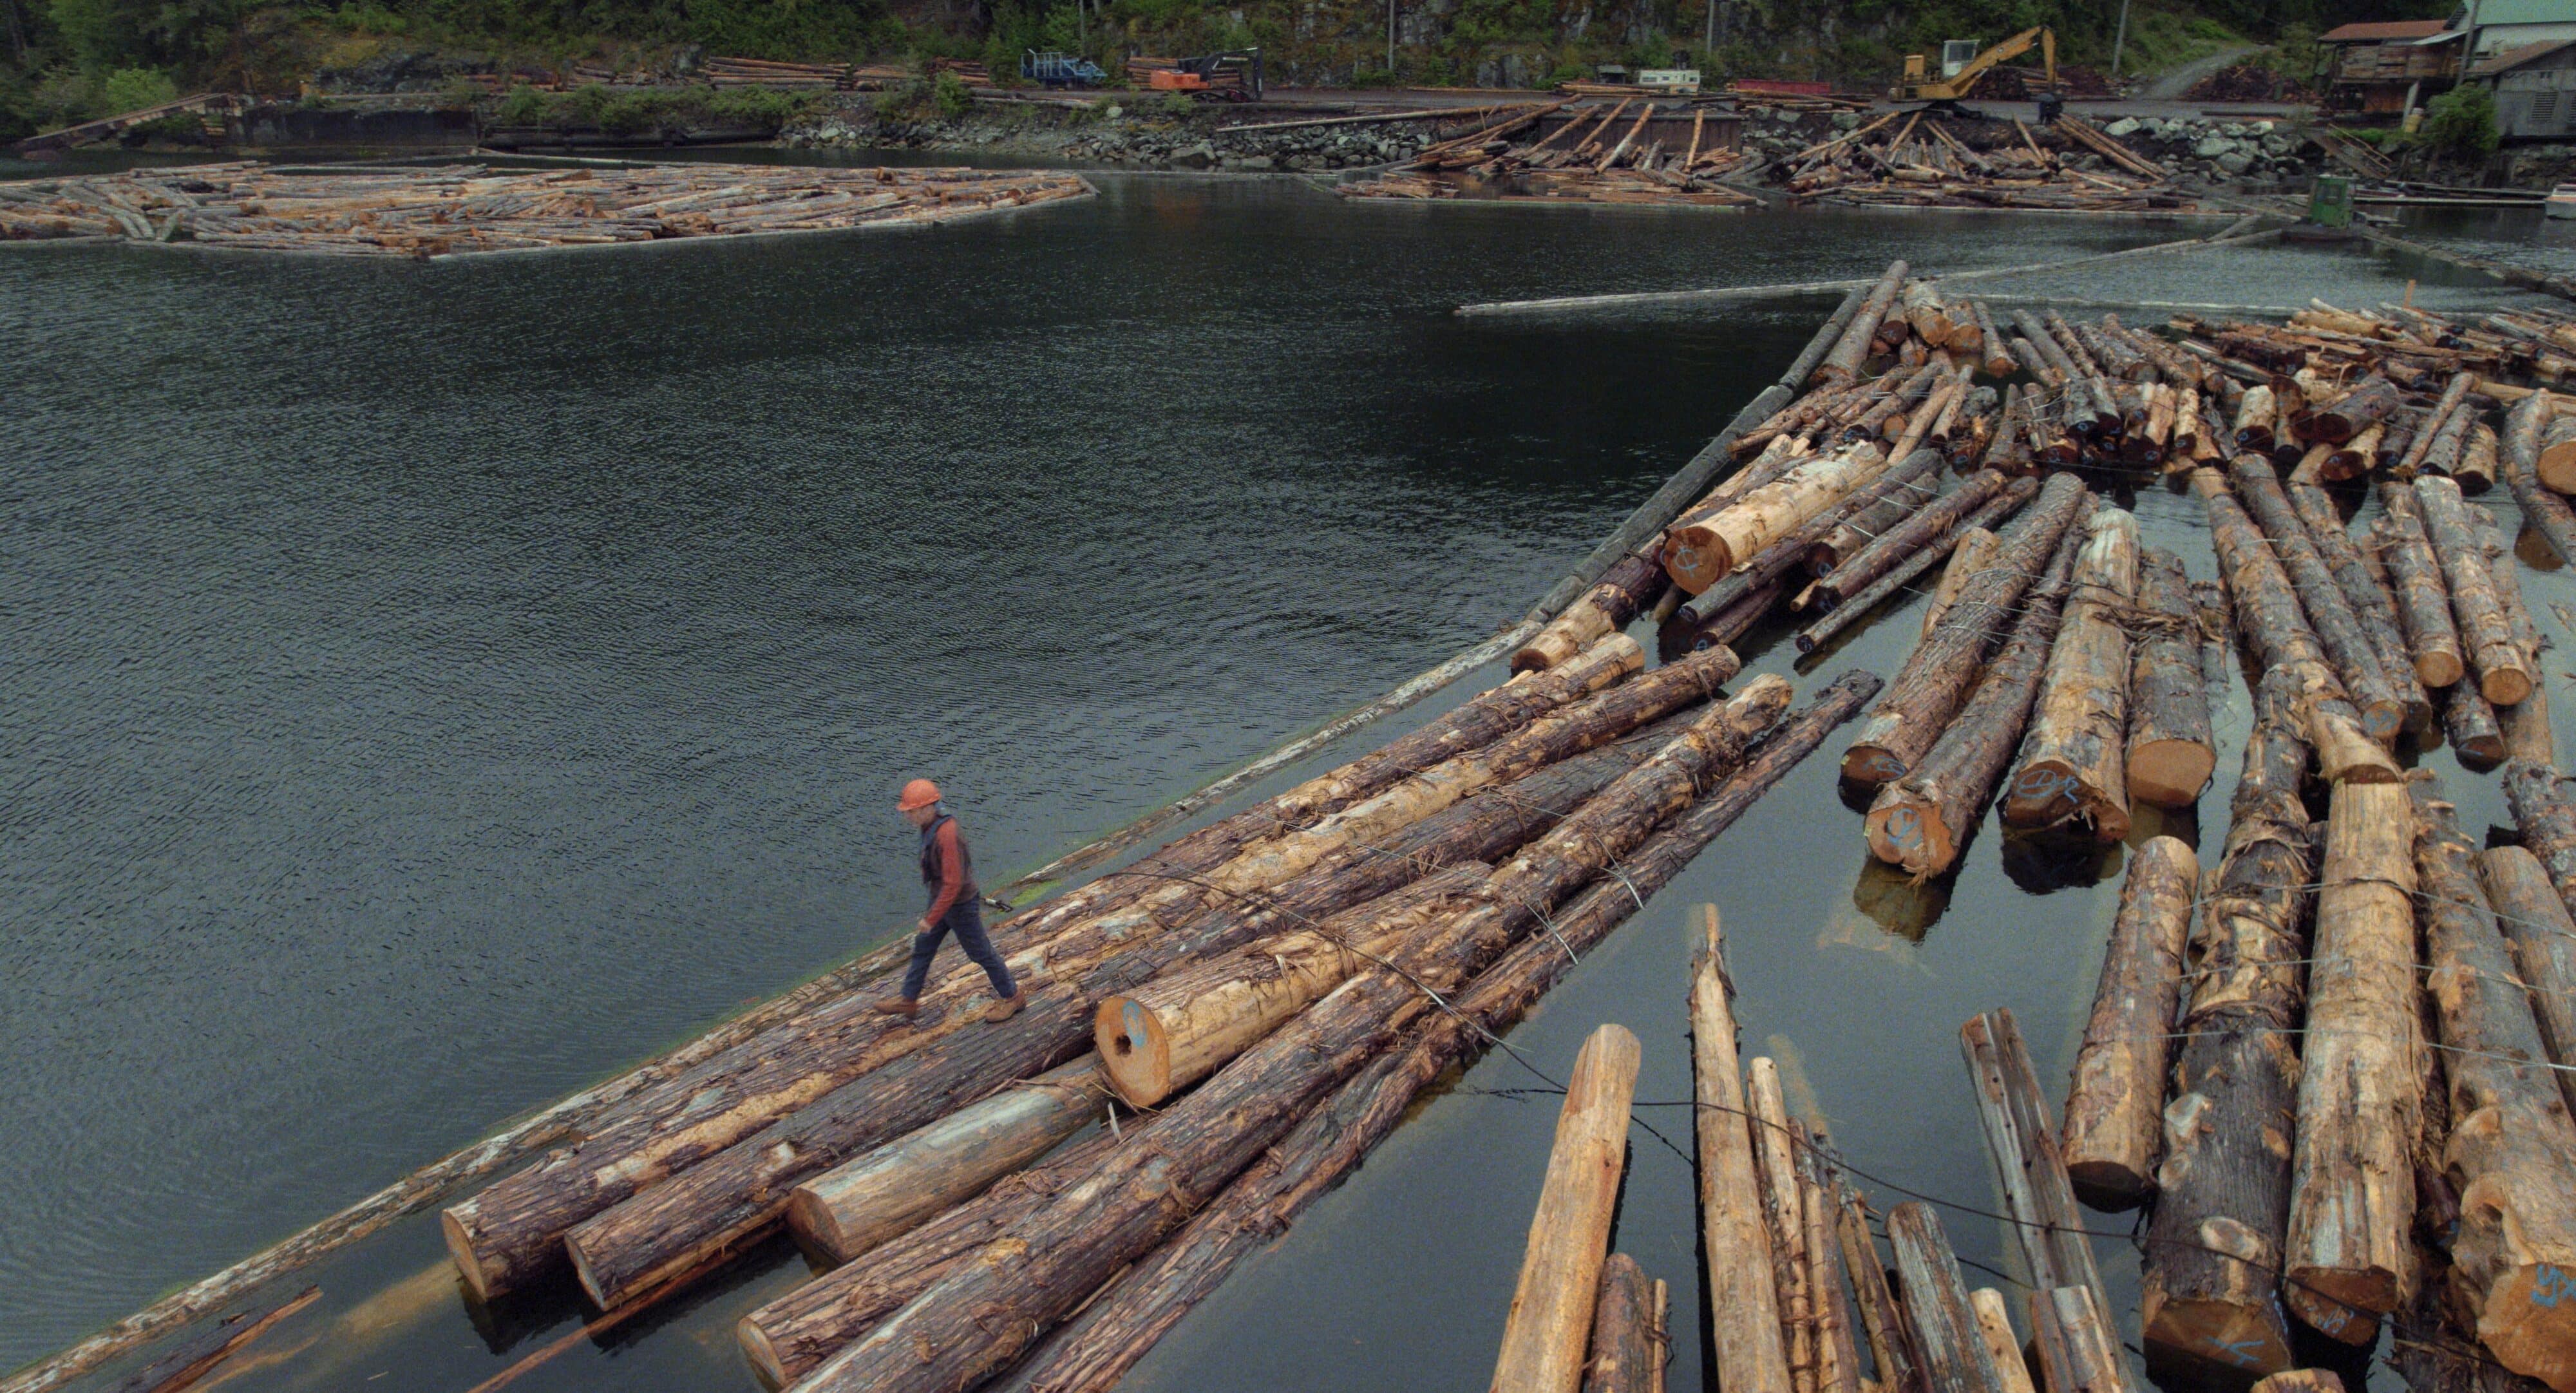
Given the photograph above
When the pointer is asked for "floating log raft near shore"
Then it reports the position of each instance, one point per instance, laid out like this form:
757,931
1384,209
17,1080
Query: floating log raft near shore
1599,154
468,208
1922,160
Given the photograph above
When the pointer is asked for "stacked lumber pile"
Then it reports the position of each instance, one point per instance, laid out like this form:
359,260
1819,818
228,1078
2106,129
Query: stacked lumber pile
466,208
1921,160
1808,96
764,72
970,73
1596,156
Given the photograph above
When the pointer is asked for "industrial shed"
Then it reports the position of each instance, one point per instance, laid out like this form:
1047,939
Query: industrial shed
2535,89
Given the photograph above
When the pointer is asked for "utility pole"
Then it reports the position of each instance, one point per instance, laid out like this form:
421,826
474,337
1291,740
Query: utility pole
2120,40
1390,40
1711,45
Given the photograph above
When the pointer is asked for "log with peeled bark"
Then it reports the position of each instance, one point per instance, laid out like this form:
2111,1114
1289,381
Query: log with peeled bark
2074,762
2256,415
2047,1227
2511,1148
2423,597
1165,1034
894,1189
2543,936
1843,364
1971,552
1722,612
1837,1354
983,1314
2470,723
1705,552
2373,608
1891,1340
2276,631
1997,360
2525,724
1936,678
1850,573
1743,1298
2504,676
1549,1326
1783,1212
1994,1322
1921,822
2349,1258
2546,820
1850,611
2555,462
2330,616
2115,1104
2476,471
2354,457
1904,490
1937,1309
1633,583
2078,1342
1925,312
1626,1351
2171,749
1123,1322
2008,451
2517,461
2454,393
2210,1290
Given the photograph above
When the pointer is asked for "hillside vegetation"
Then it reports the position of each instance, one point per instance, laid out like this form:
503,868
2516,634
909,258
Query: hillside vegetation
71,59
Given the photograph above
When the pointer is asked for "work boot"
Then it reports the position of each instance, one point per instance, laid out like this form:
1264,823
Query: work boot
1003,1008
900,1006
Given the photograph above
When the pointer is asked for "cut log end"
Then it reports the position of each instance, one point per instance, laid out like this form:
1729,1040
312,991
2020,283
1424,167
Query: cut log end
1135,1051
811,1216
1869,764
1906,829
2105,1186
2170,773
2505,686
2438,668
469,1264
760,1353
2339,1304
2528,1322
2227,1334
2047,793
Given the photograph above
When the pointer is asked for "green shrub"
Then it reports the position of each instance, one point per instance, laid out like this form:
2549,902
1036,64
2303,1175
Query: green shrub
948,93
132,89
2461,123
524,106
1179,106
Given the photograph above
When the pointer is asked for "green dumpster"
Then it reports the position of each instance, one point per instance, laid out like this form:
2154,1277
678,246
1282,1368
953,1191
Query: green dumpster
2330,202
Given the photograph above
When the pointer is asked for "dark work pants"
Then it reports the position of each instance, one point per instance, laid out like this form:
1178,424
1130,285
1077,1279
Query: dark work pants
965,920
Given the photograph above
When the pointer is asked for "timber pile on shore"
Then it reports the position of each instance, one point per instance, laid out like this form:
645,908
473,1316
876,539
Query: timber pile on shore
1595,157
467,208
1918,161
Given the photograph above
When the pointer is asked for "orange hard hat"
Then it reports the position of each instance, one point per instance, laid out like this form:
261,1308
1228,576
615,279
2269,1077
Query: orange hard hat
920,793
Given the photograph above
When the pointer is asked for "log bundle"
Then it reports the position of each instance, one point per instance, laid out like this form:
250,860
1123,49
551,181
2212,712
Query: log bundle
1927,160
1597,153
458,209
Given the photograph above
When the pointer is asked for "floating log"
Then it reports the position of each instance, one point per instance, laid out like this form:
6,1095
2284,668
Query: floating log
2256,414
2352,1199
2171,750
1837,1354
1937,1309
2073,761
2518,460
1899,494
2079,1347
1921,822
2320,596
2511,1149
1743,1300
2555,463
1852,610
1926,314
2476,471
2373,608
1891,1338
1628,1341
2370,401
1936,678
1550,1323
2276,630
1783,1212
2047,1227
2470,723
1994,1322
1704,552
1973,550
1632,583
2504,676
2525,724
1997,359
1843,364
2423,596
2547,821
2300,1381
2210,1290
1892,545
207,1349
2115,1105
2543,936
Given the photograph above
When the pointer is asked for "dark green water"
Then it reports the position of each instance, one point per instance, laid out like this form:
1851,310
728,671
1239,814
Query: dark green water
431,688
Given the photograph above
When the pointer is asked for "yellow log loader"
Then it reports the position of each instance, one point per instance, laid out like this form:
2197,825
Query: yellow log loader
1963,66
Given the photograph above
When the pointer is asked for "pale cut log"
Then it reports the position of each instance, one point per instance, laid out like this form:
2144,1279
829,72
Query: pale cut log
2373,608
1936,678
1166,1034
1851,611
2543,936
2355,457
2556,460
2079,1348
2047,1226
2504,676
1971,553
1922,821
1784,1216
1891,1339
1843,364
1743,1297
1118,1325
2352,1197
852,1208
1937,1309
1997,360
2517,461
2211,1281
2113,1134
1837,1356
1631,584
1550,1322
1625,1352
2330,616
2511,1149
2073,761
1994,1322
2171,749
1926,314
2256,416
1704,552
2423,596
2276,631
2525,724
2476,471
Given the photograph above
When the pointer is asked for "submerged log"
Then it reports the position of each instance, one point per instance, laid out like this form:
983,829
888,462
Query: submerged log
1937,1309
2073,761
2338,629
2504,675
2170,746
2543,935
2511,1149
1628,1342
1936,678
2115,1104
1550,1323
1743,1300
2352,1198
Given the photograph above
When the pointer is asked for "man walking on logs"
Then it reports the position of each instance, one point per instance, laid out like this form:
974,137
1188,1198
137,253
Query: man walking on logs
948,872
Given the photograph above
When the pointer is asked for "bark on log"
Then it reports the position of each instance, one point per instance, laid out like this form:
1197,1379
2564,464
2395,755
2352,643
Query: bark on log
2171,748
2476,471
1783,1214
2355,457
2211,1283
1997,359
1743,1299
1633,583
2453,393
2370,400
2423,596
2511,1150
1926,314
1706,551
1937,1309
1120,1324
2556,460
2352,1196
2079,1347
1549,1327
1843,364
2256,416
2543,936
2276,630
2504,677
2115,1103
1994,1322
2300,1381
1899,494
1893,545
1837,1356
2518,460
1936,678
2372,606
2469,722
1973,550
852,1208
1626,1353
2330,617
1922,821
2047,1226
2073,761
2525,723
207,1349
1852,610
1891,1339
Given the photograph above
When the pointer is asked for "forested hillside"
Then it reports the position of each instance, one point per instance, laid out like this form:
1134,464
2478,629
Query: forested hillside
67,59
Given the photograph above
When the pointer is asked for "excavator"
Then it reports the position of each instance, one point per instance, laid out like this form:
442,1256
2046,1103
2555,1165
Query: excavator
1962,69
